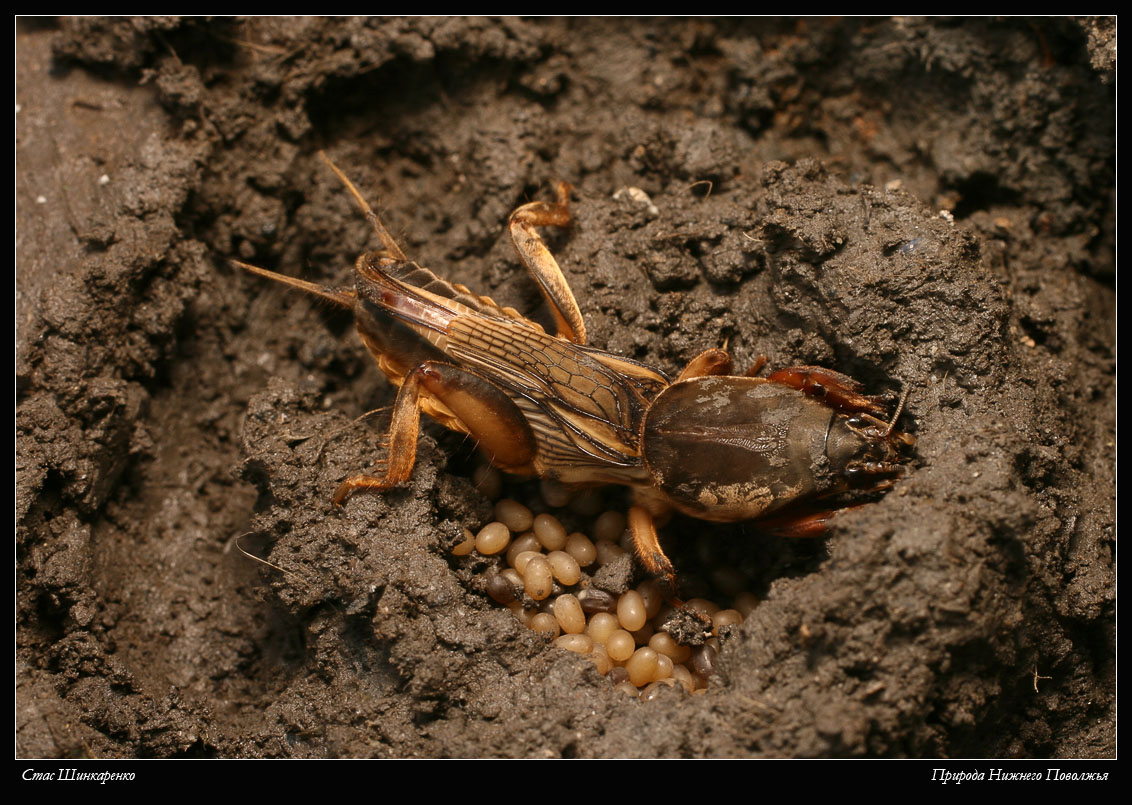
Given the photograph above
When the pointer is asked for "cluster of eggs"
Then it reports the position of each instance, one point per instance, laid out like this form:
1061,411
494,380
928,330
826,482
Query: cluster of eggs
547,579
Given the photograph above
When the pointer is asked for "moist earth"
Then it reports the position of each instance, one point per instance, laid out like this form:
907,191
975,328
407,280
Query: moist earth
914,202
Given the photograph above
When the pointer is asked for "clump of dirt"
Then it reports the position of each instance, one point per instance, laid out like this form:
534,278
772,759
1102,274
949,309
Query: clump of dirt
911,202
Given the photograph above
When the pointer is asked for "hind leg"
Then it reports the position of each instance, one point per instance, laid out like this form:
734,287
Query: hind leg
541,263
467,403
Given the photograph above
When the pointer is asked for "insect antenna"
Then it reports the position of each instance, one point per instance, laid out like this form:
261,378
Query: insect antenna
386,239
236,541
899,411
343,299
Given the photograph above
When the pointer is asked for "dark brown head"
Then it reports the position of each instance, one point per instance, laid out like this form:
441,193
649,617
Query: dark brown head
866,451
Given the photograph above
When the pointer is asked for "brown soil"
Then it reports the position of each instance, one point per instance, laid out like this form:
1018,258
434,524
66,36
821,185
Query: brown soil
908,201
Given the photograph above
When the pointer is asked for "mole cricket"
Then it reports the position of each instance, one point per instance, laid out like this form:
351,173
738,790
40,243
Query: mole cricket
781,449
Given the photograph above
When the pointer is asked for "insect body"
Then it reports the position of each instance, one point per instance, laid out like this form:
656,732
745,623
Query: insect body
712,445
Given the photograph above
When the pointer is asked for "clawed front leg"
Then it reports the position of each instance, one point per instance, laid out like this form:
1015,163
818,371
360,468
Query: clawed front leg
833,388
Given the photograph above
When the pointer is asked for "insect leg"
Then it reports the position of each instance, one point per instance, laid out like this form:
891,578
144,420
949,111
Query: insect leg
708,362
756,367
541,263
800,524
645,542
835,389
467,403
